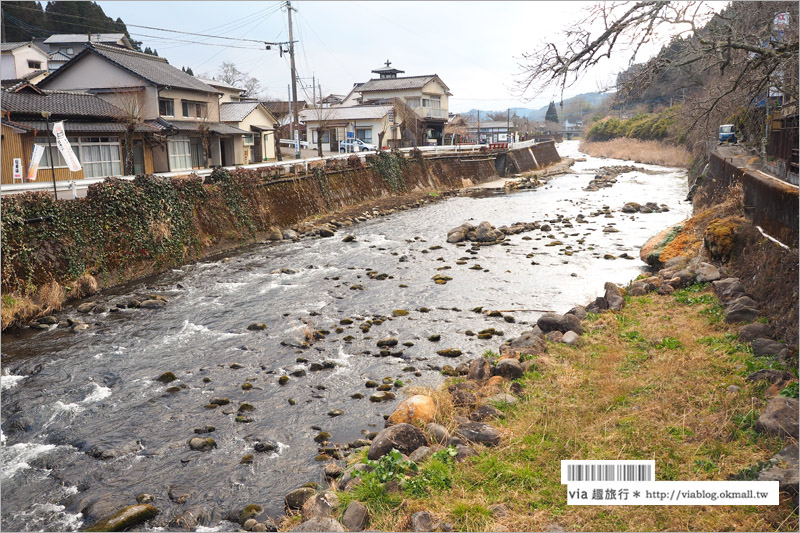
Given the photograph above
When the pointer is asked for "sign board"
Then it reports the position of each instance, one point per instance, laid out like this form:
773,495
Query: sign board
17,168
296,141
64,147
502,137
781,21
36,156
351,135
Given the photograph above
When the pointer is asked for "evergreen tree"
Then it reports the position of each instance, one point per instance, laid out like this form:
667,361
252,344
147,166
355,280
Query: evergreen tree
551,115
189,71
155,52
148,51
22,21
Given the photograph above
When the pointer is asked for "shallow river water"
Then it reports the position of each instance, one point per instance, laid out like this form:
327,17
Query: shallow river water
65,394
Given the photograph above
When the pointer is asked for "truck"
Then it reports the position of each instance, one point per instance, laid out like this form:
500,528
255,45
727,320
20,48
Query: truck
727,133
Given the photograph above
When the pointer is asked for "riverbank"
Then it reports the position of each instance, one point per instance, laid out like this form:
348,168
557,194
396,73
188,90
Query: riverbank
649,152
662,377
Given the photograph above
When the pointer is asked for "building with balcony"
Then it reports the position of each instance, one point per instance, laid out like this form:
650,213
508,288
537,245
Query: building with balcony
426,95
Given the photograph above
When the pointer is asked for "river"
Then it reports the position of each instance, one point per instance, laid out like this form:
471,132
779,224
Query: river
64,394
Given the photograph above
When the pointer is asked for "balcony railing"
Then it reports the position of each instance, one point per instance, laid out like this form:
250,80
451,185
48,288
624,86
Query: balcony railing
430,112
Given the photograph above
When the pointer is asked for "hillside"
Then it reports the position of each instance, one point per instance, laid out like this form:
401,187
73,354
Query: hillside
589,101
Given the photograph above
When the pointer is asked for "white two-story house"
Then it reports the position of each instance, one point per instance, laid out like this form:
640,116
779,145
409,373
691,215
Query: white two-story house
427,95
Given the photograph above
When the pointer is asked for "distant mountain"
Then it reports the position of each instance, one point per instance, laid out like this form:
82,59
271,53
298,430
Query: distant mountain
588,99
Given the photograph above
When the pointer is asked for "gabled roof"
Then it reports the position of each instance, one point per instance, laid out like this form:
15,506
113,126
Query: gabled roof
397,84
280,108
7,47
64,38
221,84
363,112
62,103
153,69
214,127
236,111
59,56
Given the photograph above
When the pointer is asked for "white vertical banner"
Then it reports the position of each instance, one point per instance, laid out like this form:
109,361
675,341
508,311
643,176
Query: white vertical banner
17,169
64,147
36,156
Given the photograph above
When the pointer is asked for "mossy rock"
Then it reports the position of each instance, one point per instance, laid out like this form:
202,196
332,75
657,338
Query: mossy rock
127,518
283,380
322,436
720,237
167,377
247,459
399,312
249,511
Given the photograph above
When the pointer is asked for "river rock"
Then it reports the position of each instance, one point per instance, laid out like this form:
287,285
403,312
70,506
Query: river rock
127,518
630,207
152,304
404,437
554,322
347,480
767,347
706,272
382,396
485,412
464,452
571,338
779,417
579,311
387,342
420,455
770,376
200,444
355,517
462,398
437,433
784,469
738,312
319,524
105,450
296,498
422,521
416,409
508,368
449,352
265,445
86,307
274,234
753,331
290,235
320,505
728,289
480,433
613,296
479,370
529,342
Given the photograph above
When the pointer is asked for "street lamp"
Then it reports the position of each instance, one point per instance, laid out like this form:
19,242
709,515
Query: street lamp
46,115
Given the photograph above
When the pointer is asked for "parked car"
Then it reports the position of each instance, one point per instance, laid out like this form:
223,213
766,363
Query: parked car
355,145
727,133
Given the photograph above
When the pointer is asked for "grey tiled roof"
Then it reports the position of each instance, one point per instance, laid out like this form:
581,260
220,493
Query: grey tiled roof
235,111
366,112
6,47
82,38
395,84
58,103
150,126
215,127
216,83
154,69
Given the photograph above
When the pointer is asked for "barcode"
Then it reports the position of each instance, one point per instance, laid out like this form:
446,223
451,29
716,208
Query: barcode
577,471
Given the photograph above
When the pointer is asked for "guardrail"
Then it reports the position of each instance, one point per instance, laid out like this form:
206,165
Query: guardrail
75,185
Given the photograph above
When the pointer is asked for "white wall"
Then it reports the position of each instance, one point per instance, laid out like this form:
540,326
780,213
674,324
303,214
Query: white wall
7,71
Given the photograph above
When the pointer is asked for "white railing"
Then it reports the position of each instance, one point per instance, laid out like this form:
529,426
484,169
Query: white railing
431,112
75,185
290,142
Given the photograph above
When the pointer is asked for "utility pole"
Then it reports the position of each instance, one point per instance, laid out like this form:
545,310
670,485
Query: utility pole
294,82
479,126
508,125
314,92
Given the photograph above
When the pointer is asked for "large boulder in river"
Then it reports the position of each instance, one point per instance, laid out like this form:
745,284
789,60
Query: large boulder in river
459,233
404,437
417,408
127,518
486,233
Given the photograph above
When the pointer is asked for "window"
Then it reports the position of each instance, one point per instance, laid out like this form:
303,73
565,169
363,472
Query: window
198,154
434,102
365,134
194,109
248,140
99,156
166,107
179,154
326,136
34,64
412,102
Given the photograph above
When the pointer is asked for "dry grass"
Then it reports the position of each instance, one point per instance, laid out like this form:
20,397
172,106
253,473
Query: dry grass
18,309
649,152
84,286
648,383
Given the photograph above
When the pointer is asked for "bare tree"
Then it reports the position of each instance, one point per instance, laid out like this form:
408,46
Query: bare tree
230,74
740,43
131,102
413,127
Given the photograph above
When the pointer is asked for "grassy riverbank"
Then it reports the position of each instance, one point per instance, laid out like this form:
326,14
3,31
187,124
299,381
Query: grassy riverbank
650,152
662,379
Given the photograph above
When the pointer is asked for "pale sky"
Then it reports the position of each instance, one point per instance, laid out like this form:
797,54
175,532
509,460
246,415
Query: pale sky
475,47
